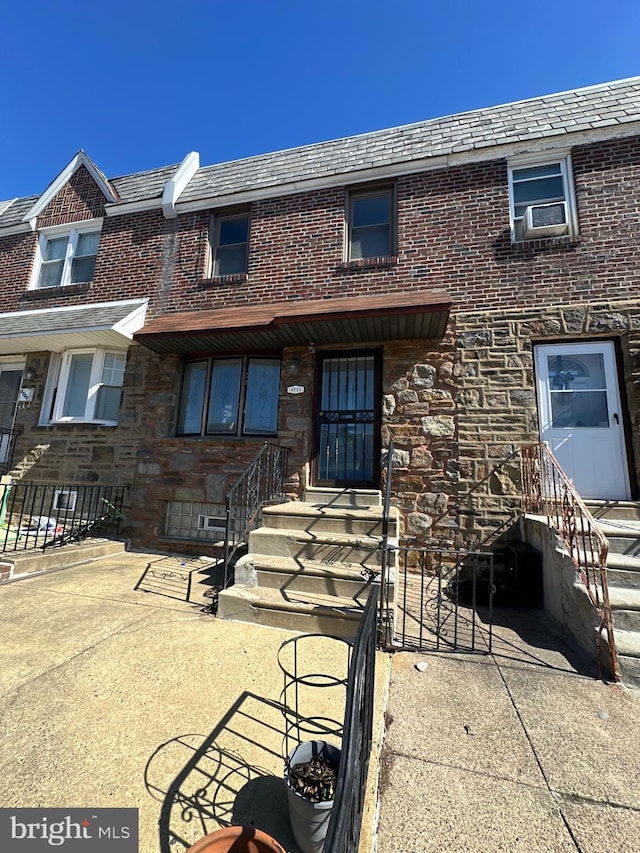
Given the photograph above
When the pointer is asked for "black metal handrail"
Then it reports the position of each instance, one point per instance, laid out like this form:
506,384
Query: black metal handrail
43,515
384,603
263,481
343,832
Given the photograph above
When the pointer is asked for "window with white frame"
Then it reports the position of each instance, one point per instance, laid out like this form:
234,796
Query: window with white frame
371,223
229,244
85,386
230,396
541,198
67,255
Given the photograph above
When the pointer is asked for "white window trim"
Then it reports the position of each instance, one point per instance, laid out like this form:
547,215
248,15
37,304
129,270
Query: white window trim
563,158
57,385
70,230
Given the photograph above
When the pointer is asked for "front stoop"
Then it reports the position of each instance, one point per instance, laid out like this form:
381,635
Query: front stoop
619,521
313,564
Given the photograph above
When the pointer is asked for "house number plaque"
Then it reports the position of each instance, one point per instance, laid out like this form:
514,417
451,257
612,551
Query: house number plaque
295,389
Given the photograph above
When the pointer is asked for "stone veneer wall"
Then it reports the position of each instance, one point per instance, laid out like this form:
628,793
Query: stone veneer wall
456,409
497,397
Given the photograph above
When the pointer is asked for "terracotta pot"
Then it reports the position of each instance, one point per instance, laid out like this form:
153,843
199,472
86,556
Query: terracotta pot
236,839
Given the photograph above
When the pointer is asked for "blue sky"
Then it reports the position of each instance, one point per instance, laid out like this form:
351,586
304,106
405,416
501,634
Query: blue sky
139,84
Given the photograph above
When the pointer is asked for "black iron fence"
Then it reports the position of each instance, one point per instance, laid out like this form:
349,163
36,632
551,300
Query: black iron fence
443,600
262,482
43,515
343,833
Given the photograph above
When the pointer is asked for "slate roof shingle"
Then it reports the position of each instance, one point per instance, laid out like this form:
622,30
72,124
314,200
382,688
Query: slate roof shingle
546,117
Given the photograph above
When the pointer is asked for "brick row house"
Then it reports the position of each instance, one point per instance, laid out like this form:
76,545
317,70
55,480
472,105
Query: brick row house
462,286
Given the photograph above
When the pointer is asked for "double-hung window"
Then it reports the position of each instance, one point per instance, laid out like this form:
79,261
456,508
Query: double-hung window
229,244
371,224
230,396
542,200
67,256
85,386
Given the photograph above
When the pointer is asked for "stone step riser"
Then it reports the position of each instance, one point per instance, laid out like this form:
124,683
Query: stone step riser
626,620
230,607
313,583
352,498
324,524
615,512
629,670
623,578
624,545
265,541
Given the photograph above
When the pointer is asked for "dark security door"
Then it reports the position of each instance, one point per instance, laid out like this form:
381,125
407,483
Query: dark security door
10,381
348,419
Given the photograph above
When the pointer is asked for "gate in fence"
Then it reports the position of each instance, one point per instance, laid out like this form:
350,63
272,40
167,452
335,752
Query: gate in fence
443,600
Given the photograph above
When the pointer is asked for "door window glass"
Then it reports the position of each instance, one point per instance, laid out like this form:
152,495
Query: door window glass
577,391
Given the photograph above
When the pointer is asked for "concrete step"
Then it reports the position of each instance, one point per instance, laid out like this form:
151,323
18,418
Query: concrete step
29,562
624,598
623,571
623,536
292,611
629,670
329,548
286,573
627,642
355,498
626,620
299,515
628,649
619,510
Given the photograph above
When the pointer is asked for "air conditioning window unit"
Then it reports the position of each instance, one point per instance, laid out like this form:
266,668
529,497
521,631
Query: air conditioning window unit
212,524
545,220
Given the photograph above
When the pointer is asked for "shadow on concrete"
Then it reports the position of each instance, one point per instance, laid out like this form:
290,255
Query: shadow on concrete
183,578
233,776
533,636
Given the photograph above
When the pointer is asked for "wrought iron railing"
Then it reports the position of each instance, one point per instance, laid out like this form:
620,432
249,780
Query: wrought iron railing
7,447
44,515
343,833
262,482
384,608
547,491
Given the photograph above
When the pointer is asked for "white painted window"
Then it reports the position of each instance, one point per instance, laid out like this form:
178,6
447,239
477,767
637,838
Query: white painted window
541,197
66,255
85,386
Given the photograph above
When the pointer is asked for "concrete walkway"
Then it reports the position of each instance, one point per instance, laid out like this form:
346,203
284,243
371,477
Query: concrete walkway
522,750
116,689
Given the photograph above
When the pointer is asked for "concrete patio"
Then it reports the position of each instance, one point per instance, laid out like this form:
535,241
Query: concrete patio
113,695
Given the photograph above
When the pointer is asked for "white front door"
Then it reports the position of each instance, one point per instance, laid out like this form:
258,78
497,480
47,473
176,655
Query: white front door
10,381
581,418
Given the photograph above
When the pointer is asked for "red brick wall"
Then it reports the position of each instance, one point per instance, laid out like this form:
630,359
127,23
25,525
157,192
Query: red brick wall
81,198
453,233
